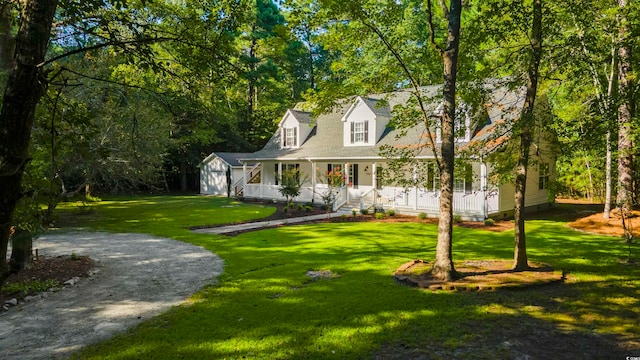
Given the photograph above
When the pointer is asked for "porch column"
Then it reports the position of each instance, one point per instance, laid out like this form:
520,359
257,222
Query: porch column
313,181
415,188
346,179
261,178
374,175
279,173
244,179
483,187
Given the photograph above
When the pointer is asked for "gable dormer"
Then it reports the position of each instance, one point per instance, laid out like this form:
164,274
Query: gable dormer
294,128
364,122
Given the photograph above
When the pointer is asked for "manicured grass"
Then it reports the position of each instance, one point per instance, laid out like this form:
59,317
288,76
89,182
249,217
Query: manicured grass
265,307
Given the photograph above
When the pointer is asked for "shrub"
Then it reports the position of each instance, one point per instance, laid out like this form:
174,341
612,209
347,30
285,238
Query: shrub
324,207
285,209
422,215
379,216
364,211
300,207
308,208
354,211
343,217
489,222
457,219
391,212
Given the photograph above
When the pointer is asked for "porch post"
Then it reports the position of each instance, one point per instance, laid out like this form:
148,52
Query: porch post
244,179
313,181
279,175
261,179
346,179
374,175
415,187
483,188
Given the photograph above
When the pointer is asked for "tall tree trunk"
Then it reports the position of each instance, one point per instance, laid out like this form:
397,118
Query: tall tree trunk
526,121
608,178
625,113
443,266
184,186
7,41
25,86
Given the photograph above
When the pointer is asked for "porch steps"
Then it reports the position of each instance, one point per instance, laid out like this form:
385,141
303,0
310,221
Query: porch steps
349,206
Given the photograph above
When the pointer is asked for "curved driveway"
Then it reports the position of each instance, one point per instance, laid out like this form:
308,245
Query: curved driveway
139,277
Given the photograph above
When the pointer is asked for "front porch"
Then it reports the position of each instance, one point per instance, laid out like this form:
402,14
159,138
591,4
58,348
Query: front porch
475,206
361,185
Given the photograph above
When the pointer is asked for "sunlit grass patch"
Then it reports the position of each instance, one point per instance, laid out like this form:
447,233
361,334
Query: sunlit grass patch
265,306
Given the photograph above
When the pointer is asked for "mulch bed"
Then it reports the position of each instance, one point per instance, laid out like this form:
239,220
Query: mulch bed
477,275
57,268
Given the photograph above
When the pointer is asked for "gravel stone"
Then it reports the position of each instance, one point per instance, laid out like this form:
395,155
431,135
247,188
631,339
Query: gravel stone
139,276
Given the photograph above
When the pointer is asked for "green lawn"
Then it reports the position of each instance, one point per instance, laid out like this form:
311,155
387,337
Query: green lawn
264,307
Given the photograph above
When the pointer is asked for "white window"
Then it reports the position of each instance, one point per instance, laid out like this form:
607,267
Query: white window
359,132
543,176
433,177
290,137
463,181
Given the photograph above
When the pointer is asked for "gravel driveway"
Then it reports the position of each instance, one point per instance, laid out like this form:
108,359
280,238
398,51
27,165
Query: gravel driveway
139,277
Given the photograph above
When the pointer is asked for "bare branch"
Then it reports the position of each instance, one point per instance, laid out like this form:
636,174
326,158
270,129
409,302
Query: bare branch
432,30
414,84
103,45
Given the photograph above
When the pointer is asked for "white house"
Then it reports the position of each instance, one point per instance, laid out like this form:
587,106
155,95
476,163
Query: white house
220,171
349,139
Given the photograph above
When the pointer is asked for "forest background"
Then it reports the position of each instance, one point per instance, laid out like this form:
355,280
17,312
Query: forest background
136,93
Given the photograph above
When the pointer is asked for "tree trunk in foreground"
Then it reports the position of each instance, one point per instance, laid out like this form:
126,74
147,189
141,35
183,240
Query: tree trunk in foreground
443,266
520,261
625,113
24,89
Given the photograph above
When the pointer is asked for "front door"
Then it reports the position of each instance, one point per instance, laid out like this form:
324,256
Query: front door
353,175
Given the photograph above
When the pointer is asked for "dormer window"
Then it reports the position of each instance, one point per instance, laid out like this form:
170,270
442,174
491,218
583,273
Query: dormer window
461,126
359,132
290,137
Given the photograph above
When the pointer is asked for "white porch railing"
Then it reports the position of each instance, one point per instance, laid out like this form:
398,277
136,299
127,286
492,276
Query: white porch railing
469,205
341,198
368,199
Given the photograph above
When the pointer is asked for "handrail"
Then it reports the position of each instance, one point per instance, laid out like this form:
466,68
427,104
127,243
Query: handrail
365,195
237,186
341,198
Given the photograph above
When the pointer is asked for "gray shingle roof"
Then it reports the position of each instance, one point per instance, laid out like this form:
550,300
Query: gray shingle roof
232,159
326,140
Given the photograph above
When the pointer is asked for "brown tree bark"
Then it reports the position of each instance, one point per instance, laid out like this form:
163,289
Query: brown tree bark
443,266
625,113
25,86
525,123
7,42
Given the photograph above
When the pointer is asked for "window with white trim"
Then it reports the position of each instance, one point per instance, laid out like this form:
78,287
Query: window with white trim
285,168
543,176
359,132
289,137
433,177
463,182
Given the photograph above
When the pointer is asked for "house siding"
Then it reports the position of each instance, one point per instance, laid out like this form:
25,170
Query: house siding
361,112
213,177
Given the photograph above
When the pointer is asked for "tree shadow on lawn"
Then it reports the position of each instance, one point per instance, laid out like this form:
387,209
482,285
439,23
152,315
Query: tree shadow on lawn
382,320
565,212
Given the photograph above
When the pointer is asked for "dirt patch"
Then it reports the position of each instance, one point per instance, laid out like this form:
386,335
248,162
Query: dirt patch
612,226
53,269
478,275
